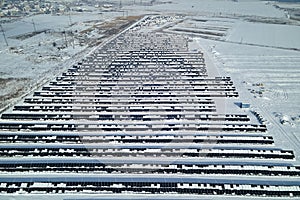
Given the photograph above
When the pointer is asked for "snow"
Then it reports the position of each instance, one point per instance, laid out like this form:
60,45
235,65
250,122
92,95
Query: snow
35,59
249,65
215,7
260,57
273,35
260,51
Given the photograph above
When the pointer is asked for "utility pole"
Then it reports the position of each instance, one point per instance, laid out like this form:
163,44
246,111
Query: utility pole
70,20
65,36
120,5
73,40
2,30
34,28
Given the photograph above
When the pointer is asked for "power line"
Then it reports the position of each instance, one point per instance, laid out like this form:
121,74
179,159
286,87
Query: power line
32,22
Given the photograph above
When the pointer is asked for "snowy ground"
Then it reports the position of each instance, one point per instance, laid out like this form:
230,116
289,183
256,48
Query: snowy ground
258,46
262,57
252,41
59,41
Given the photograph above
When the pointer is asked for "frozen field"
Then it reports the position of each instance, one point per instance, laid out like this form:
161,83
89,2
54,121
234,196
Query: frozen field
264,52
272,35
257,45
269,79
252,41
214,7
35,57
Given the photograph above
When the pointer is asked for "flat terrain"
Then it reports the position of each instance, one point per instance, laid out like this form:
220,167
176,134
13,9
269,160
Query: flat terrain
31,58
255,43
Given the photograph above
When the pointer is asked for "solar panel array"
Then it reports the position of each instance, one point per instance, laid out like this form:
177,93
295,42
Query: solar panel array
139,116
